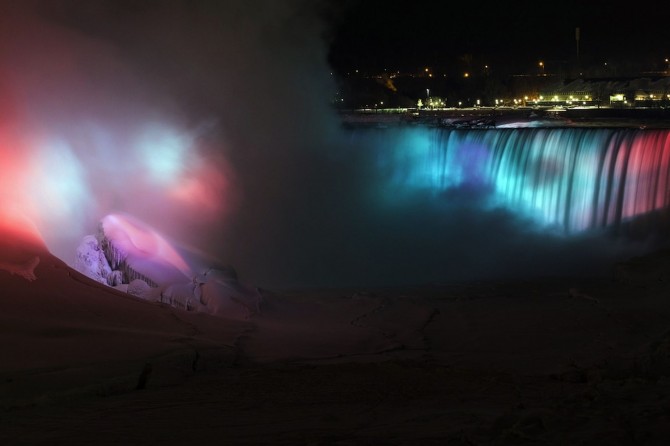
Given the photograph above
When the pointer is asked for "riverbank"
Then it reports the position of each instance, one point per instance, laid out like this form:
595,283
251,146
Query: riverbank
486,117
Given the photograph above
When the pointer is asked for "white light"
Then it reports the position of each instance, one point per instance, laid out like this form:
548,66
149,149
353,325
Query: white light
164,152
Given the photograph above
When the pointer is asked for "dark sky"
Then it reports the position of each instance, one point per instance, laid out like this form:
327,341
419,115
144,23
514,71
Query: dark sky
391,34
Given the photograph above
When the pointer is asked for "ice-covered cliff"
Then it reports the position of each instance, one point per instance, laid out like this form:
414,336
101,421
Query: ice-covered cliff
127,254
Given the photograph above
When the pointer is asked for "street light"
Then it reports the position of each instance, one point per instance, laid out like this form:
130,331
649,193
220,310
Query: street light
541,64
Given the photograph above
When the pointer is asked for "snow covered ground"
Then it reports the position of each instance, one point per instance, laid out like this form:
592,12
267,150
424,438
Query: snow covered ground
557,361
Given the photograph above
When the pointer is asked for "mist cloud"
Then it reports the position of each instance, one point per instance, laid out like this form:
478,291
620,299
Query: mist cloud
210,121
171,111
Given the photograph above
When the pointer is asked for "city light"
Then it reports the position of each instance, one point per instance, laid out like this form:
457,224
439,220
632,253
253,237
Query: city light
578,92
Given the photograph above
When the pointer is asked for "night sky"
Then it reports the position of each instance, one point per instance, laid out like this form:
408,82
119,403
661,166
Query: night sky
401,35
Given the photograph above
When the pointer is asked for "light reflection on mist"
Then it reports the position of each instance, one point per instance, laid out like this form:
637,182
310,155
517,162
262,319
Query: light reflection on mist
66,189
205,120
164,153
210,122
58,188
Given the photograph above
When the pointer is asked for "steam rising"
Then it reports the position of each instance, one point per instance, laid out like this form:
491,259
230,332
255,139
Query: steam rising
140,107
210,122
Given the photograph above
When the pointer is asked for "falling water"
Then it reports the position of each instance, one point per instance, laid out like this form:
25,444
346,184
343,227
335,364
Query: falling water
573,179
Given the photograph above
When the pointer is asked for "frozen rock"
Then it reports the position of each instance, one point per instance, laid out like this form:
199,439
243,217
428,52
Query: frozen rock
115,278
141,252
139,288
90,260
130,256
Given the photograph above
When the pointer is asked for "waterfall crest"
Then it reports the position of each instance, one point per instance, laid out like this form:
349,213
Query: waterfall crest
569,178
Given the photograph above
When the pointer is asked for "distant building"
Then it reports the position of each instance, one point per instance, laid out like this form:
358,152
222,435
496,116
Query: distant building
622,92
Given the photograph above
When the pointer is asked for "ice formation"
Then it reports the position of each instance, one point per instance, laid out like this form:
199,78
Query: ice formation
132,257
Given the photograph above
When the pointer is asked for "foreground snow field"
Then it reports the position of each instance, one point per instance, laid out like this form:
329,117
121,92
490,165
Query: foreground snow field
558,360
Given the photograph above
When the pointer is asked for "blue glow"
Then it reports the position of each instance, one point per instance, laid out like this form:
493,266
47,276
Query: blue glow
572,179
164,153
59,185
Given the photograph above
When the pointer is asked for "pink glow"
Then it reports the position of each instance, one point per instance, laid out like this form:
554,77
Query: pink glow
647,176
205,191
84,134
14,224
142,243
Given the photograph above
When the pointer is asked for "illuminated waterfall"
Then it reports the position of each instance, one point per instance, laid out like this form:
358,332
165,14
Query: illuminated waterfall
568,178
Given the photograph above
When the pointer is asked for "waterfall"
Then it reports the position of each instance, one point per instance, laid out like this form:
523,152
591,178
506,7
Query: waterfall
573,179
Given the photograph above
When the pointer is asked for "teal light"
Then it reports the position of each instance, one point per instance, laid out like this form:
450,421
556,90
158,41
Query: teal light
571,179
164,153
59,184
